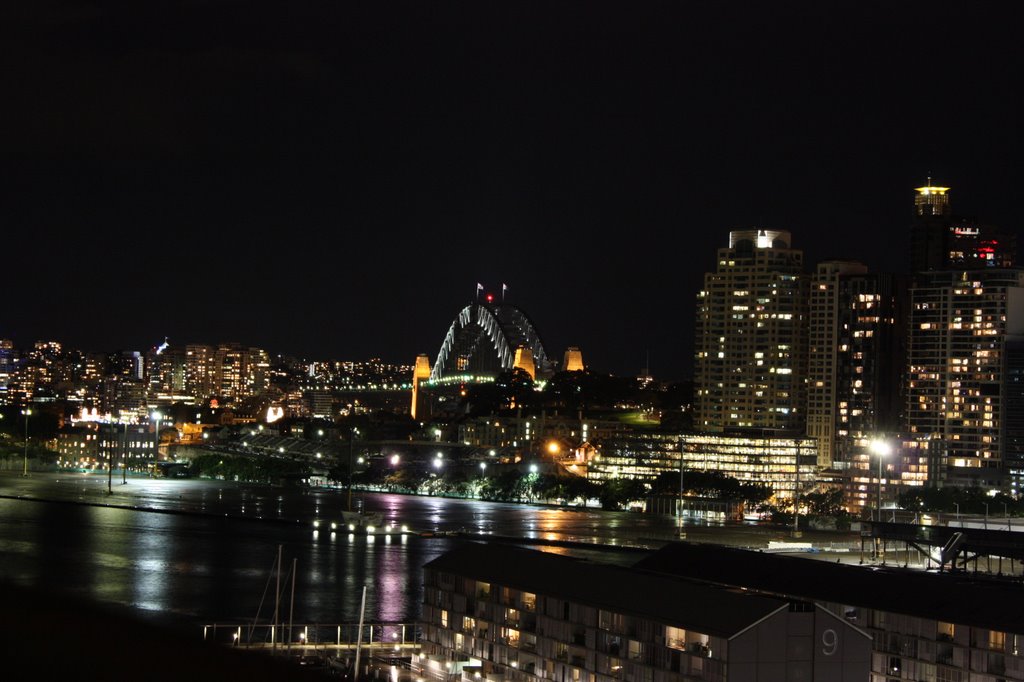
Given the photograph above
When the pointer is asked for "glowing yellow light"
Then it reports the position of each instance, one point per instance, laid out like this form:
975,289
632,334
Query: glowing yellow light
931,190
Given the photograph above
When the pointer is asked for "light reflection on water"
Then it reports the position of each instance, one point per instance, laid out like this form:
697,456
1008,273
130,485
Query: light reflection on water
215,568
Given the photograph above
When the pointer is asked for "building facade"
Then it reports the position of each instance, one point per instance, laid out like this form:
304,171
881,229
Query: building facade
964,329
751,344
924,627
856,358
494,612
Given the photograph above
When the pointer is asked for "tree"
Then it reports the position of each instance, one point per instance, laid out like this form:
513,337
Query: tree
618,492
825,502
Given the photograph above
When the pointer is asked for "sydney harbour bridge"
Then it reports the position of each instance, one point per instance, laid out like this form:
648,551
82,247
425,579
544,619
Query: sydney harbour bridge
487,338
483,340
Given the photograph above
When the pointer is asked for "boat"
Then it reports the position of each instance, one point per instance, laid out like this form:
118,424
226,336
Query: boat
362,520
367,523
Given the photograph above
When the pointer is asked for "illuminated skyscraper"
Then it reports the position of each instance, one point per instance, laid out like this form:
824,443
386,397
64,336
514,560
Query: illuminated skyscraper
240,372
855,357
199,371
751,350
966,329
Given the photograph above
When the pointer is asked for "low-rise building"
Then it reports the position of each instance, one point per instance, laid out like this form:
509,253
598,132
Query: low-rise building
494,612
925,627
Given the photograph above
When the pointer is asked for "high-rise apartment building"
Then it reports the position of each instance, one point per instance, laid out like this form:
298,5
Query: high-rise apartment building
166,371
855,358
199,371
240,372
966,328
751,345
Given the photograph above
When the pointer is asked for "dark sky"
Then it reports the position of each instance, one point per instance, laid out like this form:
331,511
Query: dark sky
332,179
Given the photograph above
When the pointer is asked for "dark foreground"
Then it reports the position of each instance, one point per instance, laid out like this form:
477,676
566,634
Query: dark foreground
52,637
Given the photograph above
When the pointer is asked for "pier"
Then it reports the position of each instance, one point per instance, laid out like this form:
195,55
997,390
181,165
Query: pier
401,639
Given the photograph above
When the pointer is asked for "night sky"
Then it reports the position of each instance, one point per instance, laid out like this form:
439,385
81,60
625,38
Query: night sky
332,179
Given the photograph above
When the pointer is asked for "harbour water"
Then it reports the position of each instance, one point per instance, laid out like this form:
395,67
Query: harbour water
188,552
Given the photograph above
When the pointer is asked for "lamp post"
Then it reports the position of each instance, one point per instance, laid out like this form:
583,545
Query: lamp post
156,444
882,449
351,452
986,514
27,411
124,456
957,511
796,490
679,509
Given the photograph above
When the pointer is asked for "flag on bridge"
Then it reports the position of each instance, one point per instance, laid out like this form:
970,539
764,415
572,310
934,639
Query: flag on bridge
504,288
479,288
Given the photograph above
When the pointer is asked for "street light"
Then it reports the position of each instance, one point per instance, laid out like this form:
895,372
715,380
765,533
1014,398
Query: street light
26,412
957,511
351,451
882,449
986,514
156,446
679,507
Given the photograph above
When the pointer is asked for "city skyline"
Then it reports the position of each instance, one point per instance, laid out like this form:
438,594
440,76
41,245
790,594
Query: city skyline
333,182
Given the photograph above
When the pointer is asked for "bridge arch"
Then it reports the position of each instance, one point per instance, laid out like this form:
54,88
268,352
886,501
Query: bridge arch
483,340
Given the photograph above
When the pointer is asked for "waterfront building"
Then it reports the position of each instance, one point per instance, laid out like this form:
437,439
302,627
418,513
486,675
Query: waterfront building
634,454
496,612
924,626
78,445
786,463
127,444
534,433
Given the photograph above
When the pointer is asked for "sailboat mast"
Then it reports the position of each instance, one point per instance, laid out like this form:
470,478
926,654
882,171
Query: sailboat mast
359,635
277,602
291,607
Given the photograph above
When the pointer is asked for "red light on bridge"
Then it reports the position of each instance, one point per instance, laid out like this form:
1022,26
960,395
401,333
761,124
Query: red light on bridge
490,298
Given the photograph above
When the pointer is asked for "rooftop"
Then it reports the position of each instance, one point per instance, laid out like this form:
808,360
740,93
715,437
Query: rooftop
949,597
680,602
